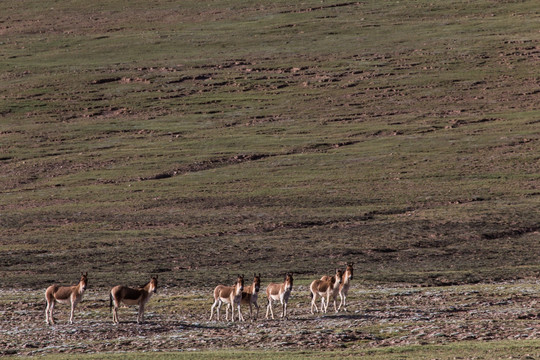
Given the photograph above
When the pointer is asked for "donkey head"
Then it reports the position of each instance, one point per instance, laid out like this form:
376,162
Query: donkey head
350,270
153,284
256,282
288,281
339,276
240,283
84,280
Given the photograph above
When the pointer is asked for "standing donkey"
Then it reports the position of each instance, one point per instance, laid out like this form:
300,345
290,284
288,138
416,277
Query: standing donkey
327,286
280,292
335,289
344,287
140,296
231,295
250,296
64,294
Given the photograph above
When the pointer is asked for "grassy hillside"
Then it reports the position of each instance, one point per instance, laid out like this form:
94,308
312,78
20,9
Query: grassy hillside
201,139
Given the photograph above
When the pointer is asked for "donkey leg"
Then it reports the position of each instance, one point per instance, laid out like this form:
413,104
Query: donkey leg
227,312
141,314
340,301
212,309
73,305
115,314
71,314
314,303
257,313
47,313
240,316
218,307
269,307
51,309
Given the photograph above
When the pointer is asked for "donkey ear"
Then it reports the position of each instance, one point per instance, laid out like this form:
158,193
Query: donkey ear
259,274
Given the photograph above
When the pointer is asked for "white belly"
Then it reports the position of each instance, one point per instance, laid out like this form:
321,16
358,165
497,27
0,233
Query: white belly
225,300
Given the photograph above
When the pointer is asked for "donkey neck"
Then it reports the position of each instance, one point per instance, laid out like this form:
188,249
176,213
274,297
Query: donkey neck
148,288
237,290
79,288
336,283
286,288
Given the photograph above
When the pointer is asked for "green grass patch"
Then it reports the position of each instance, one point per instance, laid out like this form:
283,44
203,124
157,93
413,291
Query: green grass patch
491,350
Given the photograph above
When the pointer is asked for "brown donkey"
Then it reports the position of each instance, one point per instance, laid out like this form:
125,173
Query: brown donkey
335,289
326,286
251,294
231,295
344,287
64,294
280,292
140,296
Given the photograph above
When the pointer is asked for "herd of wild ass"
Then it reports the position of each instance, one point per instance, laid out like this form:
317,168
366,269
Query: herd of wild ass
327,288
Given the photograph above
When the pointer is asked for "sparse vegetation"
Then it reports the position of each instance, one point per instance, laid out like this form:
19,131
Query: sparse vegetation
196,140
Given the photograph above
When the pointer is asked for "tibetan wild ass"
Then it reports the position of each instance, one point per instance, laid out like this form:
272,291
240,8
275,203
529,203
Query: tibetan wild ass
231,295
280,292
344,287
129,296
250,296
64,294
327,286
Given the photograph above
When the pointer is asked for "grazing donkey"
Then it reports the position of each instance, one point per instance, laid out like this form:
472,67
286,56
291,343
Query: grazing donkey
129,296
344,287
64,294
326,286
231,295
280,292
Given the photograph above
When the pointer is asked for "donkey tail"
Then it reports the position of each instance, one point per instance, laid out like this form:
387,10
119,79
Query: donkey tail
110,303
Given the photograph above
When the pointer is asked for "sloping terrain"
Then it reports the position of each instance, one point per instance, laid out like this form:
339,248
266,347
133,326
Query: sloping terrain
199,140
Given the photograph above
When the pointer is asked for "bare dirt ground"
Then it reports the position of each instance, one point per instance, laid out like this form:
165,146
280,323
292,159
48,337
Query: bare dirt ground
376,317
